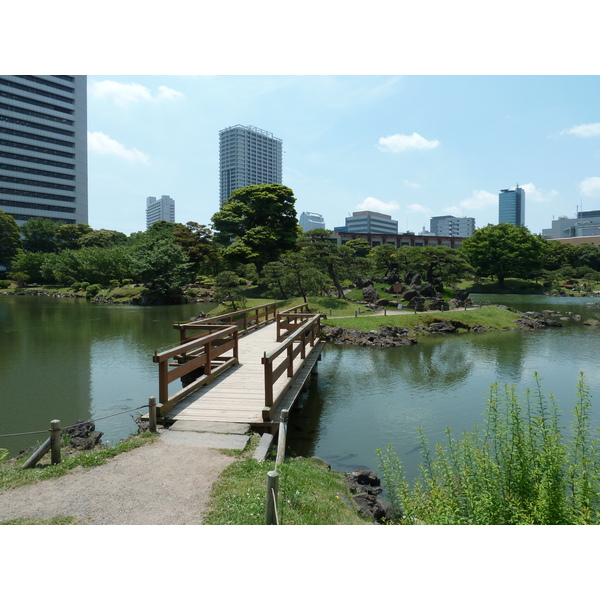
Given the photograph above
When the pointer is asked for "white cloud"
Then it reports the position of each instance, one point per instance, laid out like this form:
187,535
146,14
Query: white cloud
411,184
479,199
399,143
535,195
102,144
167,93
124,94
587,130
376,205
419,208
590,186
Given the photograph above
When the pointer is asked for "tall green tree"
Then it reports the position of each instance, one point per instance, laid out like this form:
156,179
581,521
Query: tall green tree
261,221
40,235
436,262
339,262
10,238
504,250
197,242
159,262
68,235
101,238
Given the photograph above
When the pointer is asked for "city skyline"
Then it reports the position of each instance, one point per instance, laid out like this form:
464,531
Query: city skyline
412,147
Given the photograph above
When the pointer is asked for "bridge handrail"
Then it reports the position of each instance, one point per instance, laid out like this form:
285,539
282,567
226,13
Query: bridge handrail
287,320
194,353
267,311
294,344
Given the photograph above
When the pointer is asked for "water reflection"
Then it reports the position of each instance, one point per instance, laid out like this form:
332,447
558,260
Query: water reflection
367,398
72,360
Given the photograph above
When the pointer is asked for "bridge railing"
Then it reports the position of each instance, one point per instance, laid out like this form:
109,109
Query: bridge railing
203,353
305,335
246,320
291,319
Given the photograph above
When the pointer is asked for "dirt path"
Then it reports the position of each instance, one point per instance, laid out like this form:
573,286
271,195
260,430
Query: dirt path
167,482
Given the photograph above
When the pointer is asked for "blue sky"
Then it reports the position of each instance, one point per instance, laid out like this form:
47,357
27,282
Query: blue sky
409,146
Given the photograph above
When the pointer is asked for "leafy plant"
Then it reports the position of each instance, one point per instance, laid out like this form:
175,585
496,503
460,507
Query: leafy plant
518,470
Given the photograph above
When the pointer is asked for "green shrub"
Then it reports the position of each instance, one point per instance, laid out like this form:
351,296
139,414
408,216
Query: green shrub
127,281
519,470
114,283
92,290
4,283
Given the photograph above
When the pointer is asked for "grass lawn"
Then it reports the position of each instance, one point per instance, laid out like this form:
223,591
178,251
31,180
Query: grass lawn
309,494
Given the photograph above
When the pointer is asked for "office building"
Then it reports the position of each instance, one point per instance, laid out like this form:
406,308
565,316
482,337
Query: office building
247,156
511,206
367,221
311,220
43,147
162,209
586,224
450,226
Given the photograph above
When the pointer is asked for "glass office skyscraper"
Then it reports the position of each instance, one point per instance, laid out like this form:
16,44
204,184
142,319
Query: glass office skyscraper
248,156
511,206
43,147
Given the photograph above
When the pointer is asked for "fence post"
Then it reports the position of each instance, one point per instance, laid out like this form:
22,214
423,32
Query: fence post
55,432
152,414
281,438
271,507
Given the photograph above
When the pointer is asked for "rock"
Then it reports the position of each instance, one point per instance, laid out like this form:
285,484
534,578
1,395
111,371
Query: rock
442,327
364,477
370,294
591,323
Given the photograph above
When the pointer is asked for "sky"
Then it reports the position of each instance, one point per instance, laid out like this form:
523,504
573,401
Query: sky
410,146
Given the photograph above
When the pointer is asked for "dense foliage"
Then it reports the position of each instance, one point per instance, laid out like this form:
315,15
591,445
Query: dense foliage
257,224
10,239
504,250
518,470
257,237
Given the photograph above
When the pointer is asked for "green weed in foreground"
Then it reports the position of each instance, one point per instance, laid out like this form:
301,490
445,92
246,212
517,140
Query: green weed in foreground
518,470
309,494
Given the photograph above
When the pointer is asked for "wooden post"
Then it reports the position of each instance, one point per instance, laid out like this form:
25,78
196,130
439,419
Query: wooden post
152,414
35,457
290,360
271,500
281,438
55,431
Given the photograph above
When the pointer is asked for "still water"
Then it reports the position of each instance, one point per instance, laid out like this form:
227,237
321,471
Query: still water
72,360
367,398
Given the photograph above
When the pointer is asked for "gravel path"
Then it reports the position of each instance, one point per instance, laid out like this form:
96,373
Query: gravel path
157,484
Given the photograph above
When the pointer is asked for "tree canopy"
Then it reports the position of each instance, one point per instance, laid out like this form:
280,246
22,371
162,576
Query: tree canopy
10,239
504,250
257,223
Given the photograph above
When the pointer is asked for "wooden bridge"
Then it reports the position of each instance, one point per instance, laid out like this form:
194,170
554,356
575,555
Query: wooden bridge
241,367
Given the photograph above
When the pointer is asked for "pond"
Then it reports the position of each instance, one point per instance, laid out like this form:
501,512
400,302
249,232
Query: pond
367,398
71,359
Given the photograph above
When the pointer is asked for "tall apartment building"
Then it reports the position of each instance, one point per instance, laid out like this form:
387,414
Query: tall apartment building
367,221
43,147
247,156
311,220
450,226
511,206
162,209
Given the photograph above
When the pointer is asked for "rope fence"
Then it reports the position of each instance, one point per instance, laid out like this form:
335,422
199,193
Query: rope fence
2,435
53,443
